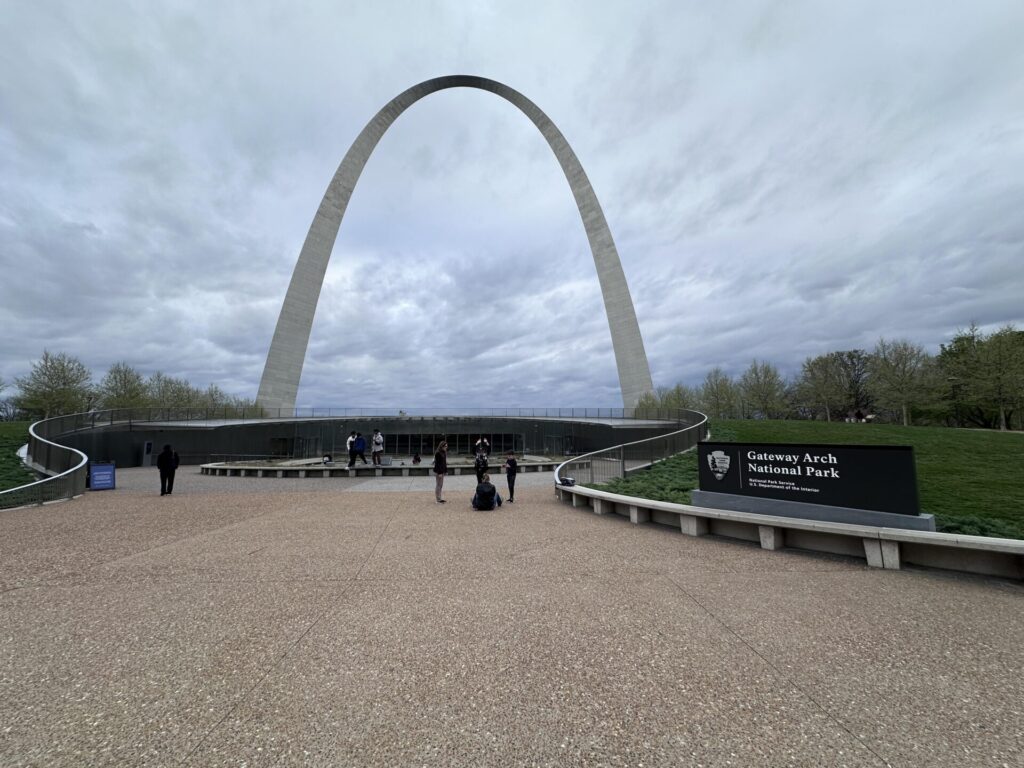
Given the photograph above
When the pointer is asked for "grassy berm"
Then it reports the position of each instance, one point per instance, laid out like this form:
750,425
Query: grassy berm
971,480
13,435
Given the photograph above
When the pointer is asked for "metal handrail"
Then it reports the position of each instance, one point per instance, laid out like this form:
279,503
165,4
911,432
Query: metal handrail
621,460
68,466
47,456
92,419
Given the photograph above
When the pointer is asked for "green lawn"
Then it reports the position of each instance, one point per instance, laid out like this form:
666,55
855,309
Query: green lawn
971,480
13,435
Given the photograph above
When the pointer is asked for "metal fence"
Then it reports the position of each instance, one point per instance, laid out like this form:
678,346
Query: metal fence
66,466
94,419
622,460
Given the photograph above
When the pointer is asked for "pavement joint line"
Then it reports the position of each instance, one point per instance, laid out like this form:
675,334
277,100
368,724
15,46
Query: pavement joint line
287,651
831,716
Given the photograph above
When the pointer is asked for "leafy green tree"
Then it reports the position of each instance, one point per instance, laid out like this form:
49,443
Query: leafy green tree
820,384
764,389
1001,372
679,396
56,385
984,376
168,392
123,387
897,370
718,395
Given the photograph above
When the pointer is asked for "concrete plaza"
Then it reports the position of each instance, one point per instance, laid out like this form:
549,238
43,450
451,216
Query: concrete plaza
332,622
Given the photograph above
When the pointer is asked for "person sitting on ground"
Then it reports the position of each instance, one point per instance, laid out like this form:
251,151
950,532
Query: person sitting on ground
486,496
416,458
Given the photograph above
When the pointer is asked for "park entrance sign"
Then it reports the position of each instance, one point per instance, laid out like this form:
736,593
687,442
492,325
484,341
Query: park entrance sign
861,484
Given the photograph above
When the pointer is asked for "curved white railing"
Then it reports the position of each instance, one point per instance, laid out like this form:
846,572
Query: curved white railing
621,460
67,468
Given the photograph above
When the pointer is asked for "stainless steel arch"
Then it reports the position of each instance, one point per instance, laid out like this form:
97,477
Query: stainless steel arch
280,382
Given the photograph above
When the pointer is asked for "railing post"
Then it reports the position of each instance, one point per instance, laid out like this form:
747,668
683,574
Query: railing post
622,461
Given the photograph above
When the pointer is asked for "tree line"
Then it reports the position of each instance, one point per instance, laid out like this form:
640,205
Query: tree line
59,384
976,380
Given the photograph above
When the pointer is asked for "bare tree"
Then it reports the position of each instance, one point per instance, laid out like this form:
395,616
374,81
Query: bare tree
853,372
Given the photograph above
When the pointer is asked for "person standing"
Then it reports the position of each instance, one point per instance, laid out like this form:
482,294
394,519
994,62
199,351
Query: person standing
511,468
360,447
377,447
350,444
480,465
167,462
440,469
483,445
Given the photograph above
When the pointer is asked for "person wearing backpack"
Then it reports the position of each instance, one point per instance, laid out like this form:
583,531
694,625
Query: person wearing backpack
480,465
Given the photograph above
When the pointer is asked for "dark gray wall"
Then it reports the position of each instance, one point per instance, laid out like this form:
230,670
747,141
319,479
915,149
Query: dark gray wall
123,443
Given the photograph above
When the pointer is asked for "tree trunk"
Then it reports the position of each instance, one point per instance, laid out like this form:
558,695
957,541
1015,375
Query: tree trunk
1002,418
906,423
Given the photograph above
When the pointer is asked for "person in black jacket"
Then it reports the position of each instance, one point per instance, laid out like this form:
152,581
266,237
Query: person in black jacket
167,462
440,469
511,468
486,496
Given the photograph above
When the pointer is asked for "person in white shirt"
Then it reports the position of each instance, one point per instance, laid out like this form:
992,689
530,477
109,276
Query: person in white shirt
377,448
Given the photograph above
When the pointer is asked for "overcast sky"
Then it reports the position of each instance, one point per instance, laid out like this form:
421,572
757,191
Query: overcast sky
781,180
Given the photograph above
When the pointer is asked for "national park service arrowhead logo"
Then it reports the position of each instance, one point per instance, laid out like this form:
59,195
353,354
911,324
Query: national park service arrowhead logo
719,463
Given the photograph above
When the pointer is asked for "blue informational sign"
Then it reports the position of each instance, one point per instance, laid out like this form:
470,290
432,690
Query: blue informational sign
101,477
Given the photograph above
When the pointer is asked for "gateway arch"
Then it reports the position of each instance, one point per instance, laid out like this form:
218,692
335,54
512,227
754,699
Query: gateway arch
280,382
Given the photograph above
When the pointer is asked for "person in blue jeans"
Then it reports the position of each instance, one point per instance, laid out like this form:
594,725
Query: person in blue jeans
486,496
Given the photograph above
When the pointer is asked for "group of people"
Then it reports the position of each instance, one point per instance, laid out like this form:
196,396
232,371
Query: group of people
356,445
485,496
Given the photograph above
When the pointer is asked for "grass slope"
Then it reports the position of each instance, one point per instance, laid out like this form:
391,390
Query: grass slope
13,435
971,480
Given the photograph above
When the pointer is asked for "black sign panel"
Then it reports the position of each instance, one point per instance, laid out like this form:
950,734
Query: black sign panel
878,477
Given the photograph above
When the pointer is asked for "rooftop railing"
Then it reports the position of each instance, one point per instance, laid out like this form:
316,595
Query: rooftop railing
601,466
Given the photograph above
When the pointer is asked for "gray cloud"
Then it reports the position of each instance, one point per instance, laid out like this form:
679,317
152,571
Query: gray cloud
781,180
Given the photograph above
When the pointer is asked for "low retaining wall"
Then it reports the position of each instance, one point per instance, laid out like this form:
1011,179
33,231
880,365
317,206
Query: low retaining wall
880,547
363,470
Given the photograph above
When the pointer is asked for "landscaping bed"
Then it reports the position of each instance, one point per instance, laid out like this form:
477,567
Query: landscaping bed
969,479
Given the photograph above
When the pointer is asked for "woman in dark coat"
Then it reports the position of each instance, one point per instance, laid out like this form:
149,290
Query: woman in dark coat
440,469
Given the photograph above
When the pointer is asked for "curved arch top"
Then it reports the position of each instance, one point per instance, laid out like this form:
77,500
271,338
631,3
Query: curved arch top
280,382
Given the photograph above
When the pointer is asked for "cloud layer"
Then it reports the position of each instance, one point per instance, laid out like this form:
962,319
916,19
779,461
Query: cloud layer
781,181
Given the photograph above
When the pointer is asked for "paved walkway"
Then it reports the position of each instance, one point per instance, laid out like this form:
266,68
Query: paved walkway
326,623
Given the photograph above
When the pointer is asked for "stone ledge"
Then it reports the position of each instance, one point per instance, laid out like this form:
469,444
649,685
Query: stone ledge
881,547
